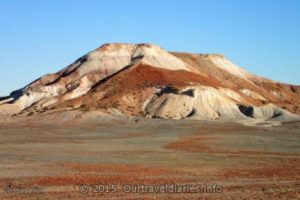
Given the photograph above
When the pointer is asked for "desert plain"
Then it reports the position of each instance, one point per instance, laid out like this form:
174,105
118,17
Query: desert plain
55,162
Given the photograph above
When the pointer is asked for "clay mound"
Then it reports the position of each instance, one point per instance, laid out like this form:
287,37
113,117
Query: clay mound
145,80
274,113
149,91
209,103
195,102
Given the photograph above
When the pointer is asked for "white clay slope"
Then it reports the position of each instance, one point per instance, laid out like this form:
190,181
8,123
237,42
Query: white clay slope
210,103
204,103
226,65
111,58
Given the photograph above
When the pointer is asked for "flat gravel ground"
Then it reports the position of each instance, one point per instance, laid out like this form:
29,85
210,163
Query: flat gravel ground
147,158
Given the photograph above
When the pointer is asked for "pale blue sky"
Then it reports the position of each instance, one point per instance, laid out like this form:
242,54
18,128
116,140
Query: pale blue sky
43,36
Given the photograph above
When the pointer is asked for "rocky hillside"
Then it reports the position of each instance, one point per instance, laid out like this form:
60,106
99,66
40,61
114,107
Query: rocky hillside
145,80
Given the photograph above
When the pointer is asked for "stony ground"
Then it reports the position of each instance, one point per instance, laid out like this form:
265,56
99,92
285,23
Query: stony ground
77,162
